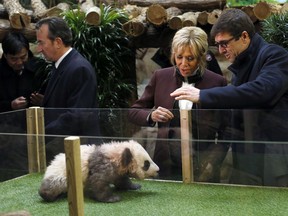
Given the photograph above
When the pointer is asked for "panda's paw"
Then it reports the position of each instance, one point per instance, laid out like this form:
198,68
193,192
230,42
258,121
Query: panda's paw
134,186
47,195
52,188
46,191
111,199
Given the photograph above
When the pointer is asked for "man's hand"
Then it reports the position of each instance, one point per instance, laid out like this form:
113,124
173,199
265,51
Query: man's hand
187,93
19,103
36,98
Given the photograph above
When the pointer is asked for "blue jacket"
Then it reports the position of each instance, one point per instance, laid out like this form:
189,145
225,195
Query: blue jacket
260,84
261,80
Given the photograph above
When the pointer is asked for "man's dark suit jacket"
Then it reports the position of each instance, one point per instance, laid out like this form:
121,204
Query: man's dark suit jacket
72,85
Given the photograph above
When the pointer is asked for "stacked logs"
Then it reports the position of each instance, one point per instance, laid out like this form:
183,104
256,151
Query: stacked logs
156,15
263,10
24,20
20,17
143,17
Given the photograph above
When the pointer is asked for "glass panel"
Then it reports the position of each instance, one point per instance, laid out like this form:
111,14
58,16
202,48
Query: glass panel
246,147
13,145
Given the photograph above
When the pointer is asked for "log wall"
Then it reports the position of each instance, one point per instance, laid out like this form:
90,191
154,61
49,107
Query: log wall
152,23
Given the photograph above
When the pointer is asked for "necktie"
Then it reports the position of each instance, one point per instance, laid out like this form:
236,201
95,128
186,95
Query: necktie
50,85
46,81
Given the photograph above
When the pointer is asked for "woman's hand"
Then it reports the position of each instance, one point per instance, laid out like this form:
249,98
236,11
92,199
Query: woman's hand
161,115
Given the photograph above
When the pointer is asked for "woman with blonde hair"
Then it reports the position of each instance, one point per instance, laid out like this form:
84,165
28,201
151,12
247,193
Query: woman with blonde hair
188,57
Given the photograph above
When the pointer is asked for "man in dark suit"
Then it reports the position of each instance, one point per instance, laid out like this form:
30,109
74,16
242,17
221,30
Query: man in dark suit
72,83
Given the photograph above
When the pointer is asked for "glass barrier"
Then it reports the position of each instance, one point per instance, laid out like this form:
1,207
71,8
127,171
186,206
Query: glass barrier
13,145
246,147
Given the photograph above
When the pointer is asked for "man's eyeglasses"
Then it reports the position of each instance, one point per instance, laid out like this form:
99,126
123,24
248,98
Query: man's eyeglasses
224,43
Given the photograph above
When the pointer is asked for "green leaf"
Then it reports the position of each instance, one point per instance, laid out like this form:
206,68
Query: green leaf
106,47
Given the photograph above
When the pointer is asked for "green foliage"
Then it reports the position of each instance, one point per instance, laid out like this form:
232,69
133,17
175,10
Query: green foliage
275,29
106,47
233,3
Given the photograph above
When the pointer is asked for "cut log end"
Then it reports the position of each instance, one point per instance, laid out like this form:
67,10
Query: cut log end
175,23
93,19
134,29
93,16
249,11
19,20
213,16
188,23
262,10
156,14
202,18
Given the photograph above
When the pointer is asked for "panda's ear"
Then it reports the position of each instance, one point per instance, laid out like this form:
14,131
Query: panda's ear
126,157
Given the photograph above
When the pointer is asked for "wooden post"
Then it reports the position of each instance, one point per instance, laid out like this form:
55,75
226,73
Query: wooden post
249,117
36,139
186,146
74,176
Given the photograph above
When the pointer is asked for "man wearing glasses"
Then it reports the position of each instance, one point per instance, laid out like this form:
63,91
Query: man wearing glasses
260,83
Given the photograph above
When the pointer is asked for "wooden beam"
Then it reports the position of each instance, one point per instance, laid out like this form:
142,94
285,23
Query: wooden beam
186,146
36,139
74,176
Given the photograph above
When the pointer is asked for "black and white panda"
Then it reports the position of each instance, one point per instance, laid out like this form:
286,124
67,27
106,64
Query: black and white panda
102,166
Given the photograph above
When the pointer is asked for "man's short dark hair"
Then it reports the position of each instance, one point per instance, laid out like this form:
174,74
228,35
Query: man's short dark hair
233,21
14,42
57,28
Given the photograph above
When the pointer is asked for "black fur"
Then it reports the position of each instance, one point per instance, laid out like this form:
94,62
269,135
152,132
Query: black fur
103,173
126,157
108,168
146,165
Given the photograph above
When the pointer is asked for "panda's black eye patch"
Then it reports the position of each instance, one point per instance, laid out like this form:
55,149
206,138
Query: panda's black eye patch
146,165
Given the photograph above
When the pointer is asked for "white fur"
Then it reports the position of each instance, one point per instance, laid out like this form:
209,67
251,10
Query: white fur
54,182
57,168
139,156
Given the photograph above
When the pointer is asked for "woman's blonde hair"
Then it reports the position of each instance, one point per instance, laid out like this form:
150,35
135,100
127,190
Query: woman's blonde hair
196,39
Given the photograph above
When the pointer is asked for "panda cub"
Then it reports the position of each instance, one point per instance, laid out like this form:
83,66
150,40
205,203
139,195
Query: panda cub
102,166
